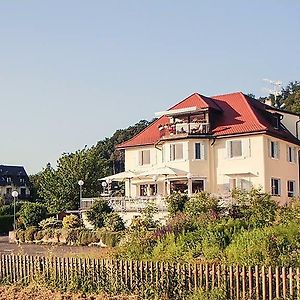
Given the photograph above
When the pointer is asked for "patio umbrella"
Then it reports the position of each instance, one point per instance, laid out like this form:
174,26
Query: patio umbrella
120,176
163,171
127,175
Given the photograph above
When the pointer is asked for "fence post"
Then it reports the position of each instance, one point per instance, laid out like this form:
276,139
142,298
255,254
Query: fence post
270,275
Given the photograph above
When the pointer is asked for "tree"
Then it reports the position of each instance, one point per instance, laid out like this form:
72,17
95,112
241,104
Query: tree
32,213
98,212
59,187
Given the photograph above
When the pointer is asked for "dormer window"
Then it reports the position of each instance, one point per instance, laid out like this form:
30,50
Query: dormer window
8,179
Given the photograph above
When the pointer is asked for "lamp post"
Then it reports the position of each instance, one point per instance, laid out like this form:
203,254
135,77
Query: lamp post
104,184
15,194
80,183
155,177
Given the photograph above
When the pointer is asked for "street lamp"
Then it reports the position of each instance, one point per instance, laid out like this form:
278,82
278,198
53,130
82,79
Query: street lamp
15,194
104,185
80,183
155,177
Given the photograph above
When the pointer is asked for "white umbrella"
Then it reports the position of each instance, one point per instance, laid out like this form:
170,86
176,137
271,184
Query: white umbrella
163,170
127,175
120,176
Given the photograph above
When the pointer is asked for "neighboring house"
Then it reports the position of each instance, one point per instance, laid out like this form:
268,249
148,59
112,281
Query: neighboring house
215,144
13,178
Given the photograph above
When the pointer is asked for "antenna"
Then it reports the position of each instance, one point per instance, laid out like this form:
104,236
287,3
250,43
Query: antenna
276,88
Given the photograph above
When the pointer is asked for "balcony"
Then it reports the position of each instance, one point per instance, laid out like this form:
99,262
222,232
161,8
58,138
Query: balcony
184,129
126,204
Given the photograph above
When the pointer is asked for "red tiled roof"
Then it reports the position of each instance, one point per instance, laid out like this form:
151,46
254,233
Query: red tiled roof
238,114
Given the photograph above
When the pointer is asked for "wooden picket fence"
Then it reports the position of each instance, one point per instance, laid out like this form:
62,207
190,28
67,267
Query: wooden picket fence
173,280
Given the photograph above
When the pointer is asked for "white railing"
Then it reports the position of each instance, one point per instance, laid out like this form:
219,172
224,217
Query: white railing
126,204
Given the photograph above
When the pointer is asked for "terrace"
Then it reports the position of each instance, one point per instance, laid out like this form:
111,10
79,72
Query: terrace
127,204
184,122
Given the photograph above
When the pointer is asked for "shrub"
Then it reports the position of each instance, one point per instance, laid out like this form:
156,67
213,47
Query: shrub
202,203
6,223
97,213
176,202
258,208
82,237
214,294
20,235
109,238
114,222
30,233
51,222
32,213
71,221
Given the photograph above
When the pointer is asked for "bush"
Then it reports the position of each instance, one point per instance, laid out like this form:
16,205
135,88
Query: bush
51,222
20,235
176,202
109,238
71,221
202,203
30,233
6,223
114,222
256,207
82,237
98,212
32,213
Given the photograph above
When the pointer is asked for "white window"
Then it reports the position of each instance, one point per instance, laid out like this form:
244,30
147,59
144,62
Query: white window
176,152
144,157
291,154
275,187
235,148
291,188
199,151
274,149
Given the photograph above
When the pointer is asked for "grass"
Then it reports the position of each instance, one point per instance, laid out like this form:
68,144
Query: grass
37,292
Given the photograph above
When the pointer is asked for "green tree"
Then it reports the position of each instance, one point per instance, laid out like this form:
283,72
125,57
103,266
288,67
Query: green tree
98,212
59,187
176,202
32,213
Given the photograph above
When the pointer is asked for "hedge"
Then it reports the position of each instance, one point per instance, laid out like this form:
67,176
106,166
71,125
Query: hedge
6,223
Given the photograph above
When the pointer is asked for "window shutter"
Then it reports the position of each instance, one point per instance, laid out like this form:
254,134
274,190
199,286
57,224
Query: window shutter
227,152
269,147
279,186
203,151
287,152
295,155
246,148
140,158
278,149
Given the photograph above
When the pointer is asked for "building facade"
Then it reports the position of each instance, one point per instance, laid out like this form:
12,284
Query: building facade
13,178
215,144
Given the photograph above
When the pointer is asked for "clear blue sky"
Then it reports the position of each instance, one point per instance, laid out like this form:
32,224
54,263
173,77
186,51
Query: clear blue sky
72,72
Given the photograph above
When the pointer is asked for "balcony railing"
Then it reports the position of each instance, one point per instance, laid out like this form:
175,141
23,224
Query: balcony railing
184,129
126,204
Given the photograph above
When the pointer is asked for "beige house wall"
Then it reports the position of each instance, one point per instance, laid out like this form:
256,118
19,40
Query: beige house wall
249,167
254,168
280,168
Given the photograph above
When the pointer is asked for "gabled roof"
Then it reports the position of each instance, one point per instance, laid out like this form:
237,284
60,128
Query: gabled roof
236,114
